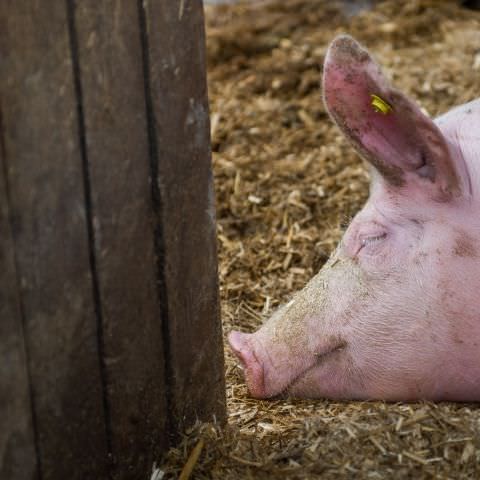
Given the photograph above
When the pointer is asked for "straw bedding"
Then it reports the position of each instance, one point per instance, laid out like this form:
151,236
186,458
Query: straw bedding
287,184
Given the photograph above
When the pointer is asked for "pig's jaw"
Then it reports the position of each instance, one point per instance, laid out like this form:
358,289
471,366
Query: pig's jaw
327,369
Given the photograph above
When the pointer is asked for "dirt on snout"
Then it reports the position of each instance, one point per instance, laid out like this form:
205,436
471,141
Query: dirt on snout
287,184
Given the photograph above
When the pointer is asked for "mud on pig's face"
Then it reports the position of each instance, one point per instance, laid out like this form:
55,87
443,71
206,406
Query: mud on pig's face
394,313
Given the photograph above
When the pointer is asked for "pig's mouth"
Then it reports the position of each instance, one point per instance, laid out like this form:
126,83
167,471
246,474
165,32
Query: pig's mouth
320,359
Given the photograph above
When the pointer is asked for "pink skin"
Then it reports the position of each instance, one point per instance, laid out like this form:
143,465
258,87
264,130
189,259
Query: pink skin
395,312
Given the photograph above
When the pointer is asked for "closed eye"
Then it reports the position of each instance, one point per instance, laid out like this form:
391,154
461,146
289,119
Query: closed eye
372,239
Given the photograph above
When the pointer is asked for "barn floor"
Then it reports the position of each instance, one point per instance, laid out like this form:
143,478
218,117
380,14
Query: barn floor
287,183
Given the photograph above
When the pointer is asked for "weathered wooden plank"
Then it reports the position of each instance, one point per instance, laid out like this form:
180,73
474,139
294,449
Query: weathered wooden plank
179,119
44,170
112,80
17,448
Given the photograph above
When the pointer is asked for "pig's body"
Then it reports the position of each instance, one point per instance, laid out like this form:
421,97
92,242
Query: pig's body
395,312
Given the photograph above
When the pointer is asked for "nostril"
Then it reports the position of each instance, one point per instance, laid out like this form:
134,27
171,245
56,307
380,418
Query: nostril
253,369
236,339
239,344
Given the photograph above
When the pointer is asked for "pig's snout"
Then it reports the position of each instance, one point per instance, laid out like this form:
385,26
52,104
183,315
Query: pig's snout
242,346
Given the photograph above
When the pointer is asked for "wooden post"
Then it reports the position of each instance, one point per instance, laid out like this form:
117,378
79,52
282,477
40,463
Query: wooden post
44,178
110,331
108,54
17,446
177,106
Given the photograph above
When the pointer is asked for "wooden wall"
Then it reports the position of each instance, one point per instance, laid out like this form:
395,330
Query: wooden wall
110,337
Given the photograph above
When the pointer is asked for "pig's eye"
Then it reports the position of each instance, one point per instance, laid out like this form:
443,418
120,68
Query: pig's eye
371,240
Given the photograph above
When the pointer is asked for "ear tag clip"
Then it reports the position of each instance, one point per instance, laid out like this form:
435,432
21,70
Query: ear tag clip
380,105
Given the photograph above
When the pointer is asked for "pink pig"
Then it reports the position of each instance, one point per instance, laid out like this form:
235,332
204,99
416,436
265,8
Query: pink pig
395,313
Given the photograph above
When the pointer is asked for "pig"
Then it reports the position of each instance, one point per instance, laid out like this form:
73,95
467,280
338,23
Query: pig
394,314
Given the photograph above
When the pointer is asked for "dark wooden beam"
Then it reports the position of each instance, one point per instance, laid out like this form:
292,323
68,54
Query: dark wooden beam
116,146
17,444
49,218
183,193
112,341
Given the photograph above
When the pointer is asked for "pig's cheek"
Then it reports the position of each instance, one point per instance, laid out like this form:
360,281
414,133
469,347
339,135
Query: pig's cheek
390,257
375,266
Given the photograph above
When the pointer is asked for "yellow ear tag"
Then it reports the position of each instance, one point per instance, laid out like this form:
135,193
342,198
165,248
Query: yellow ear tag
380,105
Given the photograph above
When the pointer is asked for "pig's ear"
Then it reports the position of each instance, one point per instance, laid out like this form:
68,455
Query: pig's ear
385,127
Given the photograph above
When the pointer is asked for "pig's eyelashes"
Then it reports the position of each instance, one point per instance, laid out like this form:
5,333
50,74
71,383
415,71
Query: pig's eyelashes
371,240
375,238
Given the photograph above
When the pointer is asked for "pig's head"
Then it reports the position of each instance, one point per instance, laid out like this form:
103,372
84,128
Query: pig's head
395,313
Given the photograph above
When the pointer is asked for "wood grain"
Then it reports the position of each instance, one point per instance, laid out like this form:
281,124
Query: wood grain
49,218
117,149
112,334
17,446
186,223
